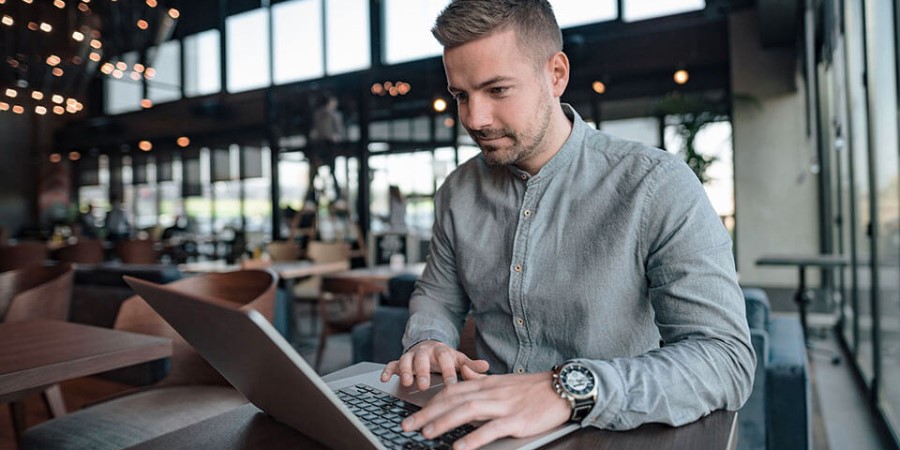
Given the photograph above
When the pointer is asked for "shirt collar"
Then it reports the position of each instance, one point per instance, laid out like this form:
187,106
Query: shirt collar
565,154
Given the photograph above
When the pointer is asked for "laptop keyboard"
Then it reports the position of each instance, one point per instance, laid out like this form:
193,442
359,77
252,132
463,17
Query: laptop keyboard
382,414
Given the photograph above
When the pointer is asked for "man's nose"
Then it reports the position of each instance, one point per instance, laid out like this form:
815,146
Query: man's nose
478,114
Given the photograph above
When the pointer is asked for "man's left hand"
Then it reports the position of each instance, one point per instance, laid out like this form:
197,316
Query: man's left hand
509,405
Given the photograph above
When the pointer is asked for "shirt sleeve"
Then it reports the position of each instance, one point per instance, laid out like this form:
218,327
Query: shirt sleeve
439,304
706,361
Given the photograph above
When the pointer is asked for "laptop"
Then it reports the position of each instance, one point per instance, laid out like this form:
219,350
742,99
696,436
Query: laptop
356,412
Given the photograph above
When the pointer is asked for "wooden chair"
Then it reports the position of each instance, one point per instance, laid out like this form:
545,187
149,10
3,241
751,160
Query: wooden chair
283,251
23,254
137,251
343,303
85,251
35,292
307,290
245,288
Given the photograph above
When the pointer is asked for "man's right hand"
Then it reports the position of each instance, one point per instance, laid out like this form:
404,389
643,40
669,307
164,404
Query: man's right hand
426,357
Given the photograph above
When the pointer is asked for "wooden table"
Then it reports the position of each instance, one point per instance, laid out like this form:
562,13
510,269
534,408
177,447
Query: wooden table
39,353
287,270
247,427
802,262
377,275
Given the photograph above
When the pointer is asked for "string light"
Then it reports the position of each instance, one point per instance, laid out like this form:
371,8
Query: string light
37,95
598,87
74,156
40,110
59,4
46,27
55,158
146,103
142,24
174,13
59,110
11,93
18,109
681,76
78,36
183,141
8,21
58,99
145,146
439,105
4,106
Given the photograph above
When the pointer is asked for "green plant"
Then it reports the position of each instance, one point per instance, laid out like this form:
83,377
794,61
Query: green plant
693,113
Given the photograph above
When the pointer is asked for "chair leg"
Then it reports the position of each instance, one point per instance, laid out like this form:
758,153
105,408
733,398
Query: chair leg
54,402
323,338
17,415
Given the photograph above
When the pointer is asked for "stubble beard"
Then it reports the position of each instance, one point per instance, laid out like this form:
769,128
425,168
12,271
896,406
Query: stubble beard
524,144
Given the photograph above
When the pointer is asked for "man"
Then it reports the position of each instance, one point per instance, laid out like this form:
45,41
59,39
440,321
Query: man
570,248
117,225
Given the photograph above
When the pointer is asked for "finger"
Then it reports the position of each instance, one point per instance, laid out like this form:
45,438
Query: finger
465,412
469,374
422,369
389,370
448,368
478,365
406,372
487,433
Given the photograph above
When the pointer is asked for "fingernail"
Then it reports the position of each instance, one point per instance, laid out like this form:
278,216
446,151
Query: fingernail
408,422
384,375
427,430
423,380
450,381
407,378
459,445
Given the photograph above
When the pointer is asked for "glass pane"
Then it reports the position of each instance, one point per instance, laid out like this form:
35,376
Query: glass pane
123,95
165,86
248,50
645,9
298,40
202,71
713,141
407,29
347,40
413,173
644,129
570,13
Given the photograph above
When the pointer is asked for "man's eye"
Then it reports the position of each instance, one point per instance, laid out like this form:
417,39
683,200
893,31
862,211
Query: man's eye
460,97
499,90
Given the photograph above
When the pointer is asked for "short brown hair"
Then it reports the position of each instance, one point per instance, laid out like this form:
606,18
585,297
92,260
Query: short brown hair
464,21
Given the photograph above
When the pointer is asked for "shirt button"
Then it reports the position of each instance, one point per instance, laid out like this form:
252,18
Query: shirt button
520,370
518,268
527,213
524,177
520,321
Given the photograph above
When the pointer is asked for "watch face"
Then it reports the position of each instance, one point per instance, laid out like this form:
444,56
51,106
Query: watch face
578,380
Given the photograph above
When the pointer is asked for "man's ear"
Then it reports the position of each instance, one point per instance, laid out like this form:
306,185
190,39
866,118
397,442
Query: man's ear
559,73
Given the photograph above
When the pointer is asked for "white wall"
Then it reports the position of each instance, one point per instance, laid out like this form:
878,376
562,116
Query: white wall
775,192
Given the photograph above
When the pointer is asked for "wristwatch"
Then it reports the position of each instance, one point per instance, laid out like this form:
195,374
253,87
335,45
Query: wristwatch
576,383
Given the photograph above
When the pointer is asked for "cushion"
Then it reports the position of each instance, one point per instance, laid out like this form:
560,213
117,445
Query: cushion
130,420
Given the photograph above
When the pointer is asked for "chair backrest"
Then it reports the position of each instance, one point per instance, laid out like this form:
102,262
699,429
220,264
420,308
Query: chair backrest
283,251
246,288
137,251
36,292
85,251
325,252
23,254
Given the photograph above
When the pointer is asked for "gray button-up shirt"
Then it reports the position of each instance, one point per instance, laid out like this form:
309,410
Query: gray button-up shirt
609,251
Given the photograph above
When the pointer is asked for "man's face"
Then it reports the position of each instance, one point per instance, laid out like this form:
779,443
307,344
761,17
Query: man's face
504,98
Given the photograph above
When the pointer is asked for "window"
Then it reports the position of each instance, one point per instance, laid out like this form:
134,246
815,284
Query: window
248,50
646,9
297,29
347,35
202,62
407,29
570,13
165,86
644,130
123,95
